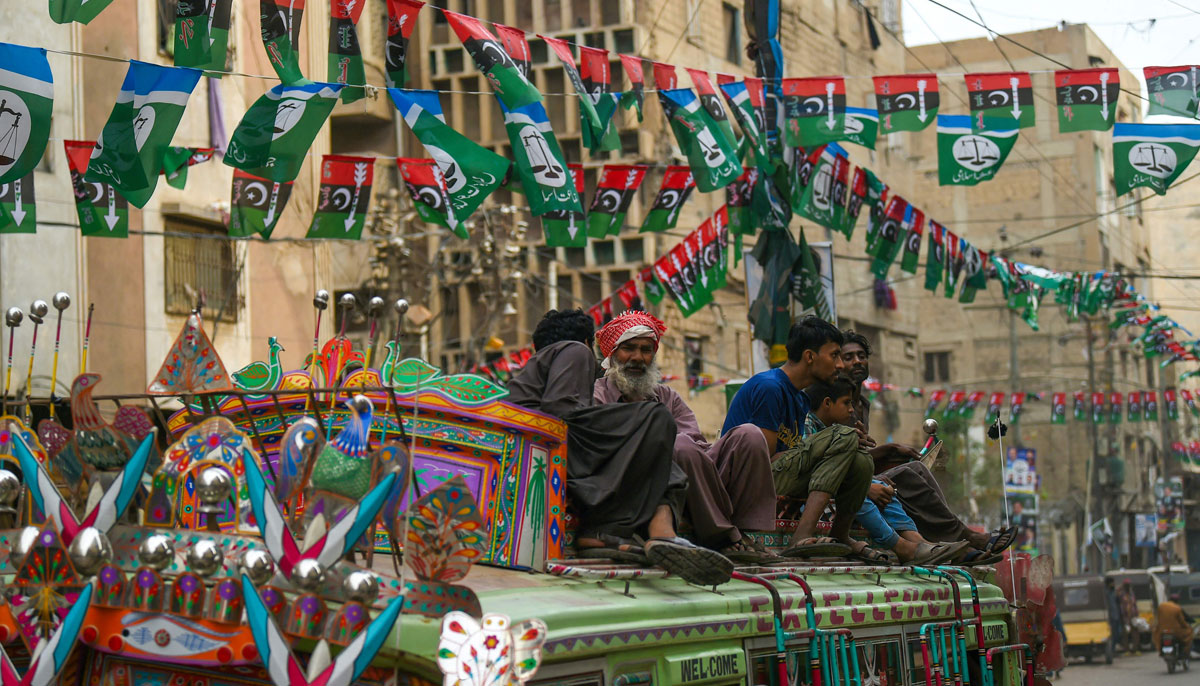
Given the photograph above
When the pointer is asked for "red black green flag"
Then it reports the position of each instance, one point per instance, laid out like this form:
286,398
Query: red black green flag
1015,404
402,18
594,72
256,204
912,242
1190,401
636,95
428,191
202,33
935,399
102,210
1086,98
1171,398
1080,411
664,77
345,54
280,24
738,198
896,218
907,102
1173,89
815,110
973,401
343,198
995,402
935,258
178,160
1134,407
1001,100
650,286
517,46
1150,406
614,192
954,403
18,213
695,268
865,190
510,85
587,108
1098,413
710,100
1114,408
567,228
677,185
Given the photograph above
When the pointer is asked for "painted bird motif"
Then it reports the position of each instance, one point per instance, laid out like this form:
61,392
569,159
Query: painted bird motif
342,466
94,444
258,375
387,369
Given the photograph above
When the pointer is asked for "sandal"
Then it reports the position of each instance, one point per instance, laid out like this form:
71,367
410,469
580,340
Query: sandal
1001,540
873,555
744,551
929,554
816,546
615,548
977,557
689,561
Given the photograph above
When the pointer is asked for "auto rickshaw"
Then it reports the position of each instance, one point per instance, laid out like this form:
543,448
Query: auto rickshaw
1084,610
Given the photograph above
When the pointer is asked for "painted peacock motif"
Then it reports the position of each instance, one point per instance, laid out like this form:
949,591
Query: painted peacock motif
261,376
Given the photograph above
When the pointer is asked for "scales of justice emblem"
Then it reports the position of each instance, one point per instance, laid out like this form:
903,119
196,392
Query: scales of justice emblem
975,152
545,168
14,136
1156,160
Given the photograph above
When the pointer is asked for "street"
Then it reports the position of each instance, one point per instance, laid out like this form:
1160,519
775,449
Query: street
1146,668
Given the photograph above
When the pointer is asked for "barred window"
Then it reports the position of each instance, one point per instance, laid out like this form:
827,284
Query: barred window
199,259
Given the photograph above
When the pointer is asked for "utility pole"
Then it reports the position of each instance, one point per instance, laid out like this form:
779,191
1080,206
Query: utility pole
1093,432
1014,375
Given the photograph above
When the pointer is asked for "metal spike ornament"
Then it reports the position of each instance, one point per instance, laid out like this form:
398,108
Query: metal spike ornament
347,303
61,302
320,302
12,319
37,313
87,337
374,307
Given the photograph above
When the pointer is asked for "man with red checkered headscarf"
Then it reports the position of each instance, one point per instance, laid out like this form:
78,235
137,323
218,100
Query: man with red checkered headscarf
730,488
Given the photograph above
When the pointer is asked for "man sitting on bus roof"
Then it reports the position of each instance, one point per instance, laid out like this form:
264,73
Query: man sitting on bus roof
813,468
621,479
729,487
914,484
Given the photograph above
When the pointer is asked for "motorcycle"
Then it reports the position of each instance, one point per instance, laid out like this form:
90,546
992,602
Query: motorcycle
1173,654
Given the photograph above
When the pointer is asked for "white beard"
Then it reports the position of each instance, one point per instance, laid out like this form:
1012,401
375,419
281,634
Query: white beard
634,387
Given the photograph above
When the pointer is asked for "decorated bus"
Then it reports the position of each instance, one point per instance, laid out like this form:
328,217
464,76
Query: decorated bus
350,523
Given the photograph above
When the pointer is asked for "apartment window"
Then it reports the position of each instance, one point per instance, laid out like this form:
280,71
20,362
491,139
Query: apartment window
733,33
576,257
454,60
539,52
594,39
604,252
198,261
591,289
695,23
581,13
623,39
634,249
166,26
889,14
937,367
495,11
693,348
610,12
552,9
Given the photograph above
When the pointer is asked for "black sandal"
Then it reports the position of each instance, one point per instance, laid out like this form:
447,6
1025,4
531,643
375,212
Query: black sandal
689,561
615,548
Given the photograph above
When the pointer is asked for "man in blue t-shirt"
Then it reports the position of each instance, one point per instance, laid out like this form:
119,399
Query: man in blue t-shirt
811,468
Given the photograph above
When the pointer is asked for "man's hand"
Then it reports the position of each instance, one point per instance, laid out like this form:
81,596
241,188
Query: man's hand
903,452
881,494
864,440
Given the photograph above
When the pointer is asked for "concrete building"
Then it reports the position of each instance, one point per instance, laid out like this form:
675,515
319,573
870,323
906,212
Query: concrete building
144,286
1050,179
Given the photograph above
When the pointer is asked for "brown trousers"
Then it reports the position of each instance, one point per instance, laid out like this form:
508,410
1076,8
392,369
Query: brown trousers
729,489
